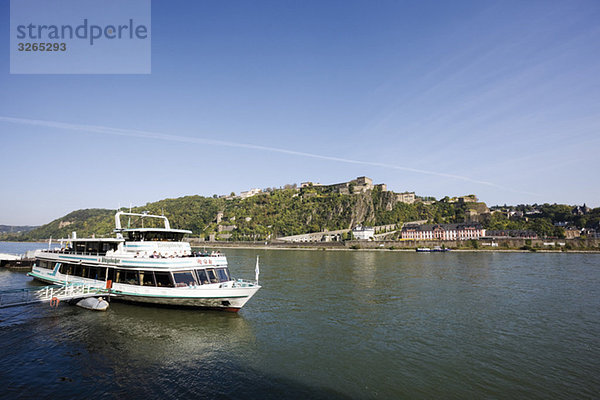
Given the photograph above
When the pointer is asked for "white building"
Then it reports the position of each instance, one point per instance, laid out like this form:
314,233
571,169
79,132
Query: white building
250,193
363,232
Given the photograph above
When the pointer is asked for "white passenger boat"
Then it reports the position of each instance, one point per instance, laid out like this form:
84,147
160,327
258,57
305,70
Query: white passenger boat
147,265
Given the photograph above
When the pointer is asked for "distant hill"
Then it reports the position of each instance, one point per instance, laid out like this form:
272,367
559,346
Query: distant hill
84,222
276,213
16,229
292,211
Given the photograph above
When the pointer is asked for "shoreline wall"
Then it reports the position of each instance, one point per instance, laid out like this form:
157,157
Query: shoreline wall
482,244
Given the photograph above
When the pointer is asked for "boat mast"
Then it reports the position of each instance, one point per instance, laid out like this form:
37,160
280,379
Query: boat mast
256,270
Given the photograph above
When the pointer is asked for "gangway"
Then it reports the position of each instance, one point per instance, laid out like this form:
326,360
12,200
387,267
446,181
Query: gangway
50,294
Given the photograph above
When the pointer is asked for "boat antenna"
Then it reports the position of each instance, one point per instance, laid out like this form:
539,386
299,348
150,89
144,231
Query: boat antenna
129,219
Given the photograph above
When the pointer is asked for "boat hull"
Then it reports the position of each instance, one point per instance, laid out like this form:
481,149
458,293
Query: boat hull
210,304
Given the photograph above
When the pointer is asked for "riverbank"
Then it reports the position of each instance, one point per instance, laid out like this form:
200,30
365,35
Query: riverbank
499,245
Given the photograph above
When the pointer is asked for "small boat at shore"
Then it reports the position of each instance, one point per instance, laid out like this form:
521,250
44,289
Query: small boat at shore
440,249
436,249
146,265
93,303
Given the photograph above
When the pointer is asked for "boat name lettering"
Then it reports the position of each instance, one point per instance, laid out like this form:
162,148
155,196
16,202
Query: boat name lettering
110,260
204,261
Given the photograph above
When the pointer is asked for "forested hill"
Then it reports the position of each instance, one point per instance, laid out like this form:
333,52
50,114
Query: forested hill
292,211
15,229
277,213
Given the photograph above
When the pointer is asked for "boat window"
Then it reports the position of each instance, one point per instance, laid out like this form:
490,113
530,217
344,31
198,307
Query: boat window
137,236
202,278
108,246
111,274
222,274
92,247
134,236
163,279
128,277
97,273
79,247
66,269
92,273
184,278
147,278
43,264
162,236
212,276
77,270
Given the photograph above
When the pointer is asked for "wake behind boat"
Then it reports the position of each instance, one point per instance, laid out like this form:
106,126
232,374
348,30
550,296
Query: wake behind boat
147,265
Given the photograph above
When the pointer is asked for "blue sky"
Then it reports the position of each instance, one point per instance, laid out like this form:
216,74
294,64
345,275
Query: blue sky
500,99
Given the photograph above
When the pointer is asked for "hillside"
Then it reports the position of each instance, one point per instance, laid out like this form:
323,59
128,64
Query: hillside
271,214
16,229
292,211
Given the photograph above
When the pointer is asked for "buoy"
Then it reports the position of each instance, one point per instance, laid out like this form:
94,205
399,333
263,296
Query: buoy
54,302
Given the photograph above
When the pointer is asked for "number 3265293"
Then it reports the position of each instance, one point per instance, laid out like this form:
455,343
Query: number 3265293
42,47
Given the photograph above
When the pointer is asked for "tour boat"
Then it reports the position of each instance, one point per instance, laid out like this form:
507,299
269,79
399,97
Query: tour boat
146,265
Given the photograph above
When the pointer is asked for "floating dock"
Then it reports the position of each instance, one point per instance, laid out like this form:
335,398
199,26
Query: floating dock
18,262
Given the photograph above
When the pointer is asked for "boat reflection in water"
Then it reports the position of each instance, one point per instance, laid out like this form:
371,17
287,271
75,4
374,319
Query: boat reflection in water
161,335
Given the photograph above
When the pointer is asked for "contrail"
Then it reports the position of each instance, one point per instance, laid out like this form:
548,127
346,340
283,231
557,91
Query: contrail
186,139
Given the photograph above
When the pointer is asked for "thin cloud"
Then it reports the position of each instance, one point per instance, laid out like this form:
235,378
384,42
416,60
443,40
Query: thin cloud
186,139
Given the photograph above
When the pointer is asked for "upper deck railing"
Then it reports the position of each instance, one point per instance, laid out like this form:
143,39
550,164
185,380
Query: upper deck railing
74,252
143,215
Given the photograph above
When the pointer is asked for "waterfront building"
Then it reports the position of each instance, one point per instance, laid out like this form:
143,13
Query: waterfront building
443,232
363,232
572,232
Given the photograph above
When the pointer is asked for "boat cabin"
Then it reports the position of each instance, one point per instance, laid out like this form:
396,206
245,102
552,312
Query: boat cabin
154,234
162,278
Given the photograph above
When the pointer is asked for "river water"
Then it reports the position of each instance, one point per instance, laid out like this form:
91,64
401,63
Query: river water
329,324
